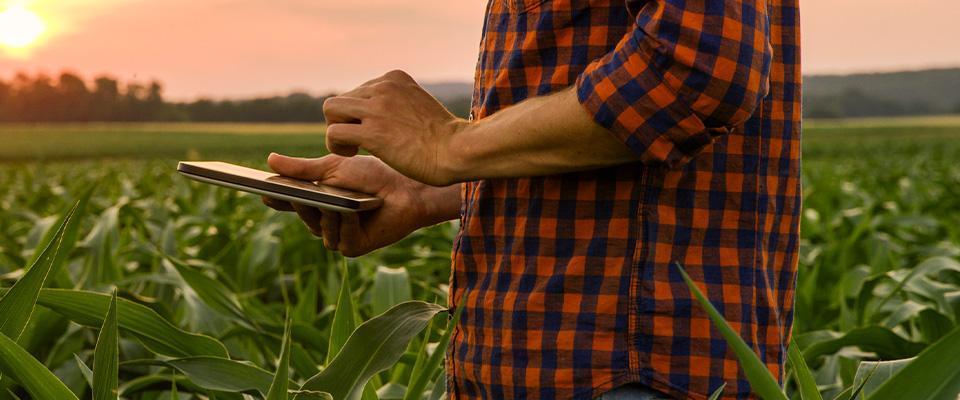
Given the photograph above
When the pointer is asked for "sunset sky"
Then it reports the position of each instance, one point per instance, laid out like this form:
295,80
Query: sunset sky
230,48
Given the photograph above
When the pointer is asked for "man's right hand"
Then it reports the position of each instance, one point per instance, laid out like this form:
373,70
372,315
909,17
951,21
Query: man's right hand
407,204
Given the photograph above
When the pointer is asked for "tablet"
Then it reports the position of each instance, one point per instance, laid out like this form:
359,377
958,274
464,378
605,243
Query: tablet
279,187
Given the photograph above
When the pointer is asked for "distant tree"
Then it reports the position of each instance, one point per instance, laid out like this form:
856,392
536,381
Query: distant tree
75,99
38,98
5,98
69,98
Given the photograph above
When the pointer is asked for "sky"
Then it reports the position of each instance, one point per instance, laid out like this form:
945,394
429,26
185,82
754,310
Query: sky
238,48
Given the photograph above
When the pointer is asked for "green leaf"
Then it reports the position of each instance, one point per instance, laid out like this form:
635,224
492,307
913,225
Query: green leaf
281,380
717,393
156,381
211,291
70,235
420,378
373,347
30,373
88,308
214,373
173,390
106,356
17,304
391,286
871,374
84,370
761,381
439,387
344,317
312,395
875,339
933,375
805,381
307,298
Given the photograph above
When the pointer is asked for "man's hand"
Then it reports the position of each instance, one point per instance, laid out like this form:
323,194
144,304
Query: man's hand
407,204
397,121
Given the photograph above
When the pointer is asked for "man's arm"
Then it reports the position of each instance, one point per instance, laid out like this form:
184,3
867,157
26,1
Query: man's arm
541,136
689,71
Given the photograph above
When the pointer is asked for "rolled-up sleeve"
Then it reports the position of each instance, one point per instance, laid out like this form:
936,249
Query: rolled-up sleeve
689,71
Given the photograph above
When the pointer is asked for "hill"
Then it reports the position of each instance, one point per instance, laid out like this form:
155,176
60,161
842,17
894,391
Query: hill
932,91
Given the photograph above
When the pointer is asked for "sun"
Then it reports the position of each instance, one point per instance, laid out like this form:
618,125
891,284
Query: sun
20,27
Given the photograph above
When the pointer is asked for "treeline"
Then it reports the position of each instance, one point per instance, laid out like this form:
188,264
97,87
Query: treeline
923,92
69,98
854,102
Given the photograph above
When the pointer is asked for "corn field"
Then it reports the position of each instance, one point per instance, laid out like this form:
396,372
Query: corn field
119,278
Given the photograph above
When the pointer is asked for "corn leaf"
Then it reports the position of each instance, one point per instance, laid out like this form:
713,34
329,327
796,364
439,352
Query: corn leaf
307,298
933,375
344,317
761,381
391,286
876,339
106,356
221,374
17,304
373,347
61,278
281,380
88,308
213,293
871,374
153,381
717,393
421,377
439,387
35,378
805,381
84,370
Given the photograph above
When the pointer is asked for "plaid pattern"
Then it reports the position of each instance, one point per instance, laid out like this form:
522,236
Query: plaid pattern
569,285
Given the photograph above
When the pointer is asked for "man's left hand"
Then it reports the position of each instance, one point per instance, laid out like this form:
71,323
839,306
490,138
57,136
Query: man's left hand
397,121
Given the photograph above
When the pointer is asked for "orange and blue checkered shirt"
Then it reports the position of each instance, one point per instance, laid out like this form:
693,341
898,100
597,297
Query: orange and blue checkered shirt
569,284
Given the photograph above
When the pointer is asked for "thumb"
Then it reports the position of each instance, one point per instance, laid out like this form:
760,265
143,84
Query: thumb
312,169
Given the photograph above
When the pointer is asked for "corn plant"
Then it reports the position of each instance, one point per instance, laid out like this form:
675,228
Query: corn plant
357,354
932,375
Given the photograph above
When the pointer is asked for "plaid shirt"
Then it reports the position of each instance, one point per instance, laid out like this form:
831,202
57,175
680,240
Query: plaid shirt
569,284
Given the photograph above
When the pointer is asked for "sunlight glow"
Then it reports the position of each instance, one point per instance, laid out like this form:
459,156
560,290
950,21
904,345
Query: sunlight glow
20,27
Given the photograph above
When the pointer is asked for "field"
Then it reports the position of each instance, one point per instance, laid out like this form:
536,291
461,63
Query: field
202,273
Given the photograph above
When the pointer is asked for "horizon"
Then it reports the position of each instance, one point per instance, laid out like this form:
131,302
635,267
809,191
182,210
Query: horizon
243,48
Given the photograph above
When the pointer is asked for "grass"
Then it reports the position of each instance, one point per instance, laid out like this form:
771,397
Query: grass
220,275
47,142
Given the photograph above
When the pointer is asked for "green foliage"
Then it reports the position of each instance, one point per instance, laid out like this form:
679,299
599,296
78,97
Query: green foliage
106,356
17,304
373,347
761,381
281,379
205,276
35,378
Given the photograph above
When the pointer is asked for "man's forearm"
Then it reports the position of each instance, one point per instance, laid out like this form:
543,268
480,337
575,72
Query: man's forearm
541,136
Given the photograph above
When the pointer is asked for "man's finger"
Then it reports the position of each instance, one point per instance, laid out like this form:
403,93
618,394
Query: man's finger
345,109
311,217
351,237
364,91
344,139
311,169
275,204
330,226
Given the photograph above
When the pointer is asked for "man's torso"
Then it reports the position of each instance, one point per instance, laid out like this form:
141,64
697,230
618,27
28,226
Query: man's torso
569,284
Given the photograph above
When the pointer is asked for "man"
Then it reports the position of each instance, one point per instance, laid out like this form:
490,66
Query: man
609,142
